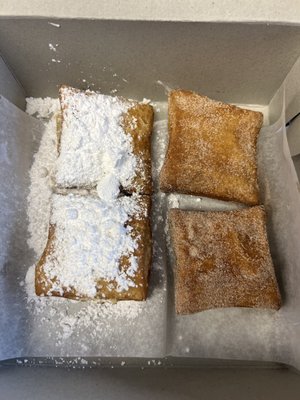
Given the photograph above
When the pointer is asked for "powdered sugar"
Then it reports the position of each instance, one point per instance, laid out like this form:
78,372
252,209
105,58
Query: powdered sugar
95,317
173,201
94,145
161,139
41,184
42,108
108,187
54,24
90,238
53,47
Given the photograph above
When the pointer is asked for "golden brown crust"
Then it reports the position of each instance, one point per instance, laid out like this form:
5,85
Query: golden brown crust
141,231
212,149
222,260
42,284
138,123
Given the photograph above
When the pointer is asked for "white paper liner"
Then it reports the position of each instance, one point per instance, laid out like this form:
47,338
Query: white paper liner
61,328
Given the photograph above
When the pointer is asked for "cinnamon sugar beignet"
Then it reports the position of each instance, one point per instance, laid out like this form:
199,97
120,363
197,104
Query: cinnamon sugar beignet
222,260
212,149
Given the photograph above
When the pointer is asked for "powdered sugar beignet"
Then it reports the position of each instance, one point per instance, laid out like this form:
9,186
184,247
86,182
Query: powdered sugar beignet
96,249
103,138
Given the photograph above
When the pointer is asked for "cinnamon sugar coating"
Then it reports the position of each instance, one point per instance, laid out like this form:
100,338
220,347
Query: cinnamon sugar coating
222,260
212,149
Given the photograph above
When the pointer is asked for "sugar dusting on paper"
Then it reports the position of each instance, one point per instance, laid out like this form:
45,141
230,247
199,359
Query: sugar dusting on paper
54,24
41,188
93,317
42,108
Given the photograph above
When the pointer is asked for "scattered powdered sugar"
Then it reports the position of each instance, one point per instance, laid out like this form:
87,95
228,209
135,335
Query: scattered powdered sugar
94,319
90,237
54,24
29,284
160,138
173,201
42,108
133,123
52,47
41,185
108,187
94,146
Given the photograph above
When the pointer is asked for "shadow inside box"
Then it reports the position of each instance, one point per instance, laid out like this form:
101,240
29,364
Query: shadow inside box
156,281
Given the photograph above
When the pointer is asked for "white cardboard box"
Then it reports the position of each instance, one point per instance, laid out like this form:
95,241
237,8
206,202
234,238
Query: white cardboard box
142,43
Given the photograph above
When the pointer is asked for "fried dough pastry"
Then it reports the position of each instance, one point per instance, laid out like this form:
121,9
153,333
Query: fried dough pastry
222,260
212,149
93,252
78,163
